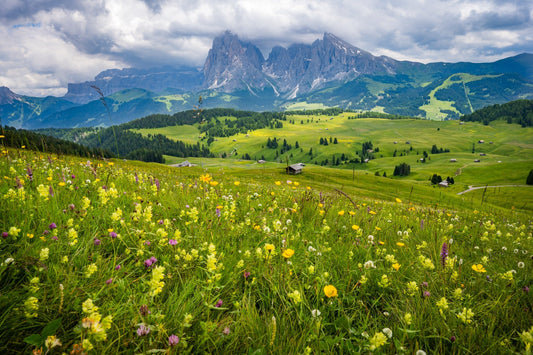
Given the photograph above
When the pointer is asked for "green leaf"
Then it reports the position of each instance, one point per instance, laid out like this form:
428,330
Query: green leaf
35,340
51,328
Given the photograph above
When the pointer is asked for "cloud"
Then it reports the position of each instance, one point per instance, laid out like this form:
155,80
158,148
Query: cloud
49,43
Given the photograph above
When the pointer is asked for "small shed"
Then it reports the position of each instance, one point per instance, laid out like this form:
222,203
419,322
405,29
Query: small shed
481,141
294,169
476,160
183,164
261,161
482,154
453,160
443,183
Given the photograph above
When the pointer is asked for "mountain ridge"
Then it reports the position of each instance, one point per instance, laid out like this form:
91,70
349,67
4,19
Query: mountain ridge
329,72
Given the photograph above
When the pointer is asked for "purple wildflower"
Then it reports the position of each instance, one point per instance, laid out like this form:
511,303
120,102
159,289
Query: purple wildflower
217,212
173,340
452,339
147,242
55,237
29,172
444,254
246,274
113,235
72,207
525,289
51,191
5,235
421,224
172,242
226,331
219,303
489,279
150,262
157,184
118,267
424,284
144,310
427,294
97,241
73,176
143,330
18,184
52,226
46,232
109,281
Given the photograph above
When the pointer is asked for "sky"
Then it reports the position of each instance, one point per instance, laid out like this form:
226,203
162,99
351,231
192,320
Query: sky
46,44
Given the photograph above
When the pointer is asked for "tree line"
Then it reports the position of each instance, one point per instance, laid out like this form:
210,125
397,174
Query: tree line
24,139
519,111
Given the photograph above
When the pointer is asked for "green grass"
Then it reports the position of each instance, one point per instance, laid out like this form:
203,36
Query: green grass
508,158
250,259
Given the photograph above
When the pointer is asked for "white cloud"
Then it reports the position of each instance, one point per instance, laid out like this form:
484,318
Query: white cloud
48,43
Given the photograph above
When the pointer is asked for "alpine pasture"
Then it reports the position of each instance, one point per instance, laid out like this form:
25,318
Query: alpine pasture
229,256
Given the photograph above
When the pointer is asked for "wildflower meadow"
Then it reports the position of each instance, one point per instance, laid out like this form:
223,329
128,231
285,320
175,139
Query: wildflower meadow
112,257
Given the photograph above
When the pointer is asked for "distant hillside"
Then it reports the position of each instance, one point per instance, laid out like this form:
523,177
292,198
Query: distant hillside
520,111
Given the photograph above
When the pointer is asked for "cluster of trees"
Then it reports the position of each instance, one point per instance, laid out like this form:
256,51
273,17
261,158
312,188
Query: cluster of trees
367,151
402,170
435,150
19,138
334,111
404,152
335,160
372,114
151,148
272,143
144,154
285,147
324,141
519,111
437,179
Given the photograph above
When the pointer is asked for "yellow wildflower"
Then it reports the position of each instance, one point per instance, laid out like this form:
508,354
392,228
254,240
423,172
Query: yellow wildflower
396,266
330,291
478,268
287,253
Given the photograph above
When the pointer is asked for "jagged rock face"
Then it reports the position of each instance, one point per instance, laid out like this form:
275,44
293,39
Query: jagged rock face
232,65
302,68
7,96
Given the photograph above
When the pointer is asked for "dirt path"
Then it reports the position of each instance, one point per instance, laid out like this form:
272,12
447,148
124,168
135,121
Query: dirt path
472,188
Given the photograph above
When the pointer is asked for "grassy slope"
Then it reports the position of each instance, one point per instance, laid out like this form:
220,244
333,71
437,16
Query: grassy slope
259,311
507,162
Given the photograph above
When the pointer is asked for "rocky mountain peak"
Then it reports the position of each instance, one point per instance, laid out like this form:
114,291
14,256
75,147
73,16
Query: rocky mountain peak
7,96
232,64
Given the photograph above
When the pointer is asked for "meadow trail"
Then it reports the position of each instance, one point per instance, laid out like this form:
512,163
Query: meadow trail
472,188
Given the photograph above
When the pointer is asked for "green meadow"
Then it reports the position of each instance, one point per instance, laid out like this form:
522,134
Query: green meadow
507,148
233,256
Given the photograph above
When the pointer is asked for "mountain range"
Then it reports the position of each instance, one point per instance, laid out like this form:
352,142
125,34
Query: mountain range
327,73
